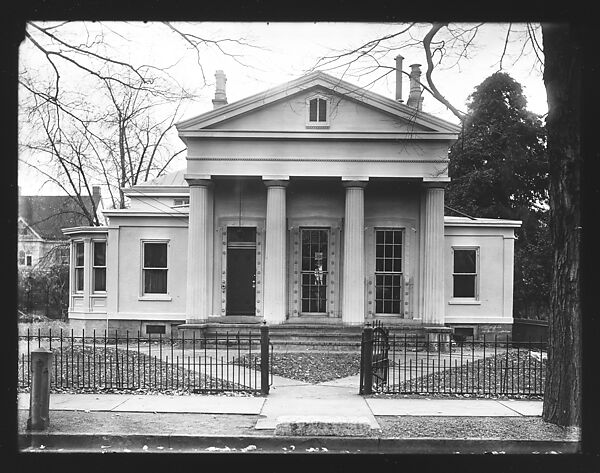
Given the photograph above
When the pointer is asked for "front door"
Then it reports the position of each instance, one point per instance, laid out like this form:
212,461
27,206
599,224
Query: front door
241,271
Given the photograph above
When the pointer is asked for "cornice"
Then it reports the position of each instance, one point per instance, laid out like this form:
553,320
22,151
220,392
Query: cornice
317,159
324,134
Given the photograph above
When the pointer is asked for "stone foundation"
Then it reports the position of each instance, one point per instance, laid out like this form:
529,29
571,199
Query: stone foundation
123,326
489,330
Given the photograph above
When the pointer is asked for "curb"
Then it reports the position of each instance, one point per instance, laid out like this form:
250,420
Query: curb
285,444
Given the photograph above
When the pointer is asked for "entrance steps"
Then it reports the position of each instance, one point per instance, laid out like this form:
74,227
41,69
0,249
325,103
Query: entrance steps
294,336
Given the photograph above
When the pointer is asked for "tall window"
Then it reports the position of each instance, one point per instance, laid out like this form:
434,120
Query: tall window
99,266
314,270
388,271
29,260
465,273
79,266
21,257
154,270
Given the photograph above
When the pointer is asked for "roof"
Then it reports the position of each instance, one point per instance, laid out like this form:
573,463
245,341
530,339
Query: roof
316,79
48,214
172,179
480,222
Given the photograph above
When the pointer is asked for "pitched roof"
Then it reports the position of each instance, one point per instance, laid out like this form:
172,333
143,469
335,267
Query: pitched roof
316,79
47,214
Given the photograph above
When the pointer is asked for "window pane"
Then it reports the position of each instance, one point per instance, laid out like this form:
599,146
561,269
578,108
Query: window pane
241,234
79,254
29,260
155,255
322,110
397,265
99,279
464,286
99,253
464,261
313,110
155,281
79,279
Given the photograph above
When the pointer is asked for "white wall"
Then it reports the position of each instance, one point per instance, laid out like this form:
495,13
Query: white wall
494,302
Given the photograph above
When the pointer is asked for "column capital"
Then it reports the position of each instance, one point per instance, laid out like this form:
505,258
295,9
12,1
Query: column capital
198,180
434,184
276,182
358,184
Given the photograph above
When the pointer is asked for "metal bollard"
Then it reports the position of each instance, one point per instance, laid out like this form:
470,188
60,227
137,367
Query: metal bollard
264,358
39,399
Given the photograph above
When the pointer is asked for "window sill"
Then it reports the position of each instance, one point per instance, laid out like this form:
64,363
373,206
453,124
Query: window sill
317,125
464,302
156,297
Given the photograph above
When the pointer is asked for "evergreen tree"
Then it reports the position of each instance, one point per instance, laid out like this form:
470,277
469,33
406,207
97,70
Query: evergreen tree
499,169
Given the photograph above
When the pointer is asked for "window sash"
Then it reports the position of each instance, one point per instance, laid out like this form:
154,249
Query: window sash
99,266
317,110
465,271
154,268
388,271
314,270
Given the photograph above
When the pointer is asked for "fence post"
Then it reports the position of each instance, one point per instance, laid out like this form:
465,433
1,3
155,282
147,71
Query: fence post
367,360
39,399
264,358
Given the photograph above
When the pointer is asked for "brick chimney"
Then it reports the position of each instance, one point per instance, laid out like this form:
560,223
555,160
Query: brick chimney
415,99
220,95
96,192
399,59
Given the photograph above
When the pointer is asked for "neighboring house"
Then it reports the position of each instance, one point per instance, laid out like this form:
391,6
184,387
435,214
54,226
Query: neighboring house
315,202
41,242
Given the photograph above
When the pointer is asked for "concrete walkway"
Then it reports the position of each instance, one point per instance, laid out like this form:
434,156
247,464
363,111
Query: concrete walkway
289,397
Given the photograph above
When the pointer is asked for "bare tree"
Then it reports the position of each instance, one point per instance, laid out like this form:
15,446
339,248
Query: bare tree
117,130
558,51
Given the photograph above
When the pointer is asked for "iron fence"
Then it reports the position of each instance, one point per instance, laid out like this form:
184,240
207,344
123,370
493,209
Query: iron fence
462,365
125,362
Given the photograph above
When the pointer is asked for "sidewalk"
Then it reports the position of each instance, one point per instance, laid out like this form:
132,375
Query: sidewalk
121,422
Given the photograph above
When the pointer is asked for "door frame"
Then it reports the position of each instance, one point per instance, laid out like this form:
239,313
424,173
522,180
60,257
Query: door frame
334,225
220,261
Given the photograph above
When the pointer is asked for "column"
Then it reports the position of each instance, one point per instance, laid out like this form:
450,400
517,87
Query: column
433,255
353,275
197,307
275,281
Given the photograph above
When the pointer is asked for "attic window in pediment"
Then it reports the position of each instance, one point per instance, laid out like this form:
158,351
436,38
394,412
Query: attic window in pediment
317,112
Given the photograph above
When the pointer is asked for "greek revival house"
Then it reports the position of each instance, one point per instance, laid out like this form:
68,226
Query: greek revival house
315,202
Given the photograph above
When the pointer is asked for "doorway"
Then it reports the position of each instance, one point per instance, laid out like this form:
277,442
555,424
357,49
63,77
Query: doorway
241,271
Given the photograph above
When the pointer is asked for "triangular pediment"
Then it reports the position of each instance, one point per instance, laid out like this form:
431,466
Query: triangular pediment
285,109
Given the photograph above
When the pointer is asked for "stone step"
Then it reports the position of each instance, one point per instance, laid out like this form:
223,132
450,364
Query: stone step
306,425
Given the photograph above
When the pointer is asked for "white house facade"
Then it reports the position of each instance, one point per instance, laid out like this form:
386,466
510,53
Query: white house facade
315,202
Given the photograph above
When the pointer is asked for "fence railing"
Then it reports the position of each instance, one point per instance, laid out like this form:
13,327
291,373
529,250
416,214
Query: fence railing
492,366
121,361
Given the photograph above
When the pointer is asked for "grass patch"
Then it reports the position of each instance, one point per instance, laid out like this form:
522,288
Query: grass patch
515,373
83,369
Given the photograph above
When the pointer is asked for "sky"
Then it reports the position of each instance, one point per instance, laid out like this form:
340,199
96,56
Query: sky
280,52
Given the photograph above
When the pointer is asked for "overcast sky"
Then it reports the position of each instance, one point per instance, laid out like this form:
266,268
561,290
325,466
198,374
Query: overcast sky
285,51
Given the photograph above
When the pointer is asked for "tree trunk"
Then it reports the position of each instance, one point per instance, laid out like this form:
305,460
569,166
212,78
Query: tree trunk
562,77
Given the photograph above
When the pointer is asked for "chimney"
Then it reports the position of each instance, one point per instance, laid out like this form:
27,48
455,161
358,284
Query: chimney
96,192
220,96
399,78
414,97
